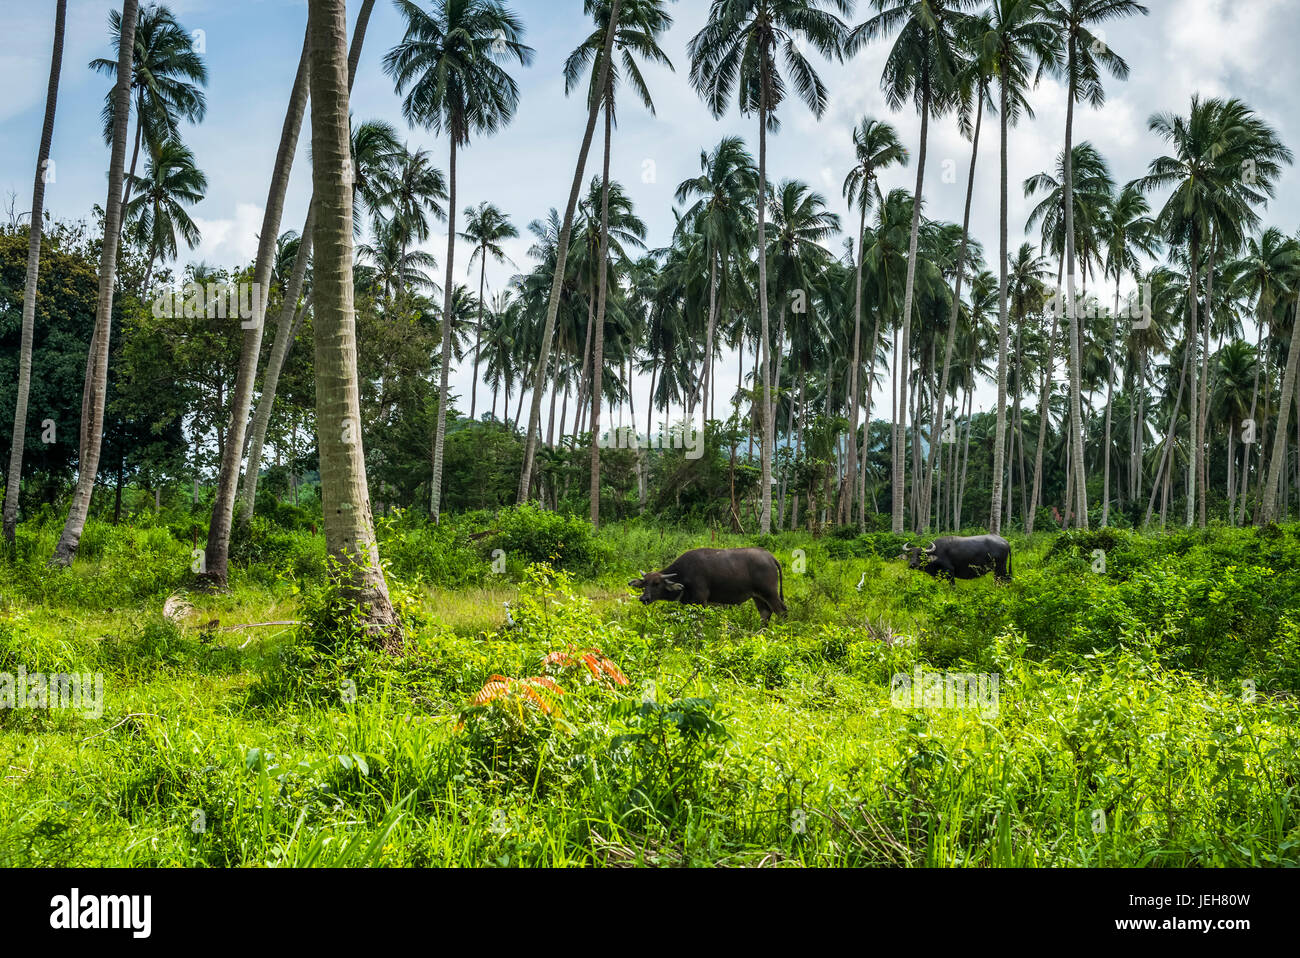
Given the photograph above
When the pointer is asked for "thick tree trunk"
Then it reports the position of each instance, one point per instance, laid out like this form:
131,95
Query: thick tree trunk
345,497
36,224
96,388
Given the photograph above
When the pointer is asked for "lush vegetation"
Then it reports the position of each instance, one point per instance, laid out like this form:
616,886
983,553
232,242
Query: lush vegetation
1146,713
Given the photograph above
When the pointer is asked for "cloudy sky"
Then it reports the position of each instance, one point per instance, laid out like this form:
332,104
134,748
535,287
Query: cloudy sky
1245,48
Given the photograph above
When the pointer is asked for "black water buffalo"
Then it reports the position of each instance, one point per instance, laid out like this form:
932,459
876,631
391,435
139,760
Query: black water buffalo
719,577
954,557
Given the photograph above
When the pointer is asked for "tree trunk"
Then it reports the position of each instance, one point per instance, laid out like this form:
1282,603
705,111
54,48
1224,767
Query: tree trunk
602,286
561,258
1076,375
345,498
955,312
999,445
37,223
223,507
96,387
766,452
440,435
900,370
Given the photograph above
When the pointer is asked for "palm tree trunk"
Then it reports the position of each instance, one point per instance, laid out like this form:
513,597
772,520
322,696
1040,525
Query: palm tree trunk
444,400
562,256
96,387
955,311
1193,422
602,285
223,507
999,446
900,370
1110,402
765,493
1076,375
34,230
478,335
345,497
1165,469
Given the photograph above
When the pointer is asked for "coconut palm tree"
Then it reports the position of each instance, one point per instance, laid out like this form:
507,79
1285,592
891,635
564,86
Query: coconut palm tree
486,227
922,66
34,228
96,388
167,77
740,50
876,147
412,190
1086,55
1020,40
641,24
345,496
171,182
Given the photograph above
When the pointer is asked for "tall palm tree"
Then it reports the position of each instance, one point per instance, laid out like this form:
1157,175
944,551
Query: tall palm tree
1268,511
1020,39
876,147
922,66
166,80
486,227
216,556
34,228
96,388
374,145
1086,55
973,90
172,181
1127,235
640,26
738,51
345,495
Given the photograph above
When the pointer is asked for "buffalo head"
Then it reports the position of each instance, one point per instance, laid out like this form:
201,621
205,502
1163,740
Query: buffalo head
658,586
918,558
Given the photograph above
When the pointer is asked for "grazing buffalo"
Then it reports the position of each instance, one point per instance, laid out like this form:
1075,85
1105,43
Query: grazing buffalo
719,577
954,557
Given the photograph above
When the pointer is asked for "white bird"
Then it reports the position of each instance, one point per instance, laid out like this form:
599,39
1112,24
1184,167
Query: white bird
510,622
862,581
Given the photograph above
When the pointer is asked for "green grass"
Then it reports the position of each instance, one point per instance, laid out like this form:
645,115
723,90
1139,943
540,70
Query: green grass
1126,732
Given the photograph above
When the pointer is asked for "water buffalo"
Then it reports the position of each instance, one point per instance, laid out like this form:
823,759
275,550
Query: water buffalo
954,557
719,577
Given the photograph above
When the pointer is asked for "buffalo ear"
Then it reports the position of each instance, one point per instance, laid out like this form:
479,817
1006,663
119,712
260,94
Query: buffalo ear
675,587
637,583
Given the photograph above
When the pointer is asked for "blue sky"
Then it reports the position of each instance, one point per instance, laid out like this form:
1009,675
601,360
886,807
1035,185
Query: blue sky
1216,47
